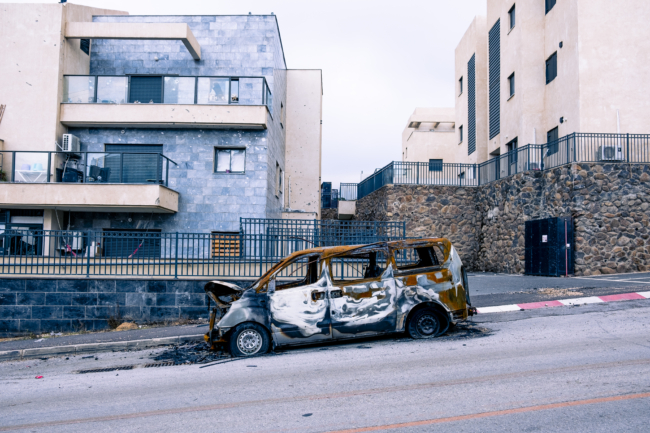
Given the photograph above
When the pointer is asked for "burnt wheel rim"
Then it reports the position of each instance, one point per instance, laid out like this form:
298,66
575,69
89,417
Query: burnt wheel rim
249,342
427,325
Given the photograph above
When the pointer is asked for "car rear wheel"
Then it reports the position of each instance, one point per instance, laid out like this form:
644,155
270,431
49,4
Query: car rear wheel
249,339
425,323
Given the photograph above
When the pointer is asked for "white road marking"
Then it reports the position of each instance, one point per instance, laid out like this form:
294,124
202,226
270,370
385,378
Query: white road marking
644,294
499,309
580,301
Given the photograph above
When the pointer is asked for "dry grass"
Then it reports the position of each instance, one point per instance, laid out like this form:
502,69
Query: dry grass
550,292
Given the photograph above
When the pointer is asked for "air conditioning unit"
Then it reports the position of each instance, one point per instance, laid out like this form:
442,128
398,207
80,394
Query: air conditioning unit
70,143
611,153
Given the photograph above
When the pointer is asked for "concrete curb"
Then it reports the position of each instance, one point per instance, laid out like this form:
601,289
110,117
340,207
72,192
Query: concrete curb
111,346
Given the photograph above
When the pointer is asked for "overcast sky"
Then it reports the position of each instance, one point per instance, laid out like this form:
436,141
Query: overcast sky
380,60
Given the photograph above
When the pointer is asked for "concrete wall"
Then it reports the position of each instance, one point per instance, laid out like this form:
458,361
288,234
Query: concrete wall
609,203
302,177
434,137
473,43
34,58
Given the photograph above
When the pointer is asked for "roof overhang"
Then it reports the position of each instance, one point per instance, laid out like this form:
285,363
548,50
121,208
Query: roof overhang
150,31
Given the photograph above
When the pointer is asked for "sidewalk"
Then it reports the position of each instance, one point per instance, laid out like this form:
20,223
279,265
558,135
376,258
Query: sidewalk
100,342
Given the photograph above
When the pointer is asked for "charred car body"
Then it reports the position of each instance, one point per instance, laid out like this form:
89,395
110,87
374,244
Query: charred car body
418,286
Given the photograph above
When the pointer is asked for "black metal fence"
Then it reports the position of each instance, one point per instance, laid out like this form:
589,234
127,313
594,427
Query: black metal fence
348,191
84,167
576,147
249,253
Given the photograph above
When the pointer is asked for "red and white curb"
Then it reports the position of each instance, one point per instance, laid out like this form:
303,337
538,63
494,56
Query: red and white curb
565,302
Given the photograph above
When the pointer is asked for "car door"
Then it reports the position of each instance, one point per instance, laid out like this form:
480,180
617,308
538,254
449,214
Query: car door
363,307
300,313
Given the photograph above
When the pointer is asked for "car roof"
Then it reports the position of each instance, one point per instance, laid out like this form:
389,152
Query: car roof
327,252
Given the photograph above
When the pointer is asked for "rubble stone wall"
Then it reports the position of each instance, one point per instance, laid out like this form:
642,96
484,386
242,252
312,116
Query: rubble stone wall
329,214
609,204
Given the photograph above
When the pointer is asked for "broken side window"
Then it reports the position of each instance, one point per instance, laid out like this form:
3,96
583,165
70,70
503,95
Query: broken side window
302,271
416,258
358,265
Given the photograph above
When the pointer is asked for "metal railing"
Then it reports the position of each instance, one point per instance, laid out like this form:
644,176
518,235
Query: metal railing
256,248
576,147
348,191
84,167
155,89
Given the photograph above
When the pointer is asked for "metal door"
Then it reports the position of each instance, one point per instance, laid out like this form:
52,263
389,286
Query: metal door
364,307
300,314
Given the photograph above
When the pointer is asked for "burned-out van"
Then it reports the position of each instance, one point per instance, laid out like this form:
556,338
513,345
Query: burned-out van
417,286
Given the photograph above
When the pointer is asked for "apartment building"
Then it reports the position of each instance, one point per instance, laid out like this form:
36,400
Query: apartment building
430,134
533,71
154,123
561,66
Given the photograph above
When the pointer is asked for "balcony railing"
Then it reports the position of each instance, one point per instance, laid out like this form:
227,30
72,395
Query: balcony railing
84,167
576,147
156,89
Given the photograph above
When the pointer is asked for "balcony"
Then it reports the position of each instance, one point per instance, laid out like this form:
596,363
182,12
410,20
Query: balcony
154,101
87,181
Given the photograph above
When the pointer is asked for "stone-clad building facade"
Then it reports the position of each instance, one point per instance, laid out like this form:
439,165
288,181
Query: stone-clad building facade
174,70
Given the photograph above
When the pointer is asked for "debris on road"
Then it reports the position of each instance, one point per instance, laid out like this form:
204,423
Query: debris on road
192,354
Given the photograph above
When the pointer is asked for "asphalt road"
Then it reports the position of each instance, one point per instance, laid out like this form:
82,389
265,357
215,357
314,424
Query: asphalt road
585,369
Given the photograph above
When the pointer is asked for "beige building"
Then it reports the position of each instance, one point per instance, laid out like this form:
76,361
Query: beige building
115,122
533,71
555,68
429,134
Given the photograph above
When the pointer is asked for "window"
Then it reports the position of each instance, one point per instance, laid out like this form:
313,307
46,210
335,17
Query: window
549,5
278,179
226,244
511,14
282,116
551,68
460,133
416,258
84,45
512,151
494,79
230,160
460,86
145,90
511,84
141,164
234,91
357,264
552,137
435,165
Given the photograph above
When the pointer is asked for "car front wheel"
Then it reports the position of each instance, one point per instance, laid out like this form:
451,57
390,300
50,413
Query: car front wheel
249,339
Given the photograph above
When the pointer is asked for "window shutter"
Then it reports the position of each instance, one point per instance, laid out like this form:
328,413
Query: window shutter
494,79
471,105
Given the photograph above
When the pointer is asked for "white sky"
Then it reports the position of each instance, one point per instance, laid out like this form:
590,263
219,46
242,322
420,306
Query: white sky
380,59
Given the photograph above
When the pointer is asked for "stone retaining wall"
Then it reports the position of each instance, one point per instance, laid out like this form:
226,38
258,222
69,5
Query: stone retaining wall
44,305
608,202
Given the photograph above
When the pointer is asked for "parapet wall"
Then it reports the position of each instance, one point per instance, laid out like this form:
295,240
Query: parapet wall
608,202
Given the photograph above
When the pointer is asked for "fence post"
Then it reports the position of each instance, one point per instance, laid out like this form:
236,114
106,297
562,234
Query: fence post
628,147
87,255
176,259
